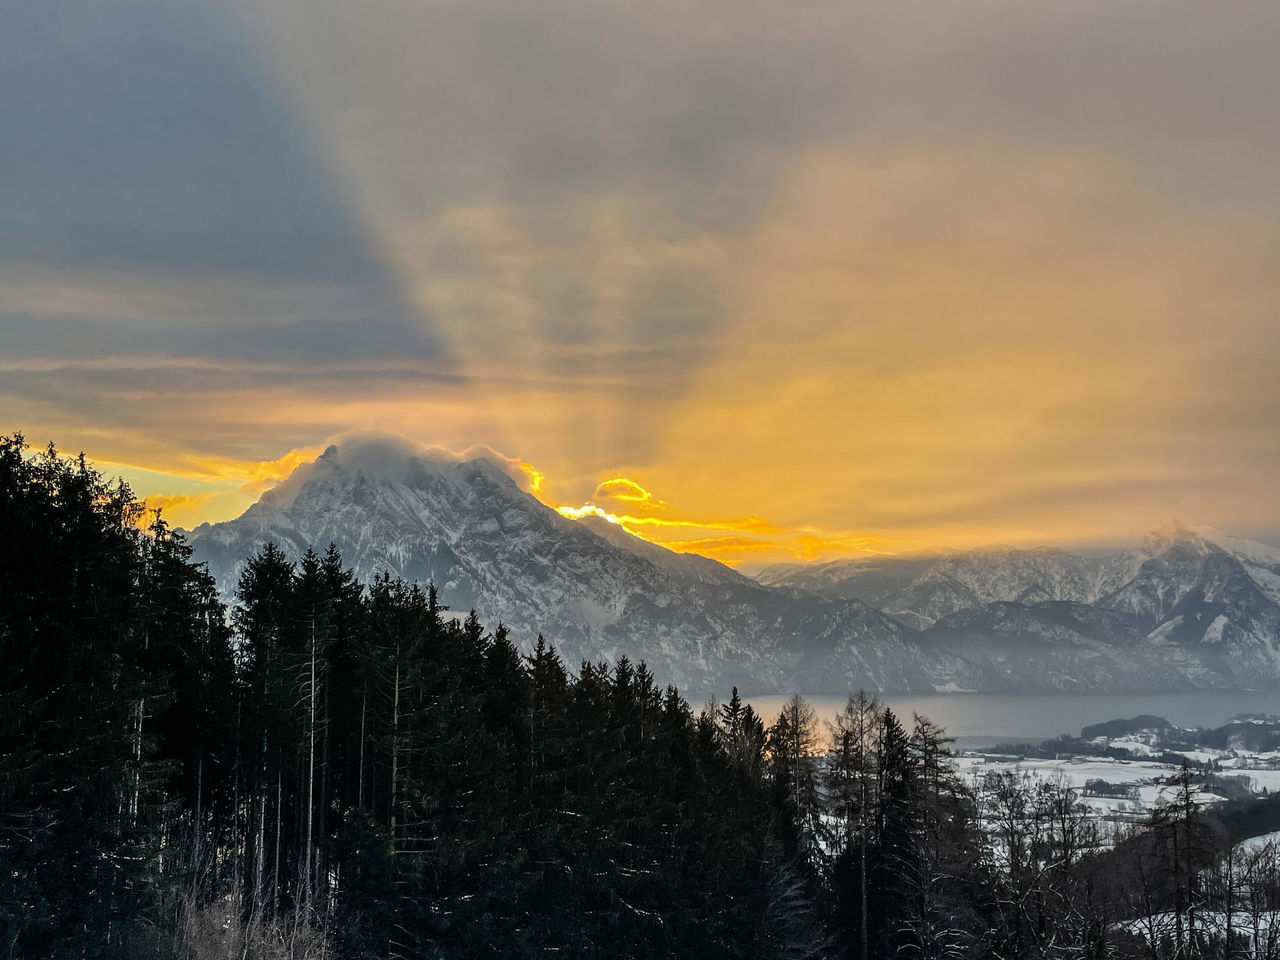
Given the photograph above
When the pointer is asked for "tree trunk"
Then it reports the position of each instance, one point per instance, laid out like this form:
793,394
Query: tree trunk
395,748
311,773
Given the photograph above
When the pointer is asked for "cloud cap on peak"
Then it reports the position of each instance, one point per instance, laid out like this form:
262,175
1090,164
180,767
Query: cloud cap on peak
394,458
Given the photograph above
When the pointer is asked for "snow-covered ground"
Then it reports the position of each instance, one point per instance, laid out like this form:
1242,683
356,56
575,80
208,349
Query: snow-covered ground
1256,933
1260,844
1237,902
1141,785
1121,779
1253,922
1147,778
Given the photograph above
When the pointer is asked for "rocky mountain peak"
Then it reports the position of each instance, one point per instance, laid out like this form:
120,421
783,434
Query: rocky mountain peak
1173,534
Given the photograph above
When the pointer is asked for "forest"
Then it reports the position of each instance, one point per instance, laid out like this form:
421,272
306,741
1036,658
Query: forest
333,769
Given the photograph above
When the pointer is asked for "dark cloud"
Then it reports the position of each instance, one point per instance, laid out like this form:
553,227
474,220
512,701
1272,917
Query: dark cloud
147,138
147,132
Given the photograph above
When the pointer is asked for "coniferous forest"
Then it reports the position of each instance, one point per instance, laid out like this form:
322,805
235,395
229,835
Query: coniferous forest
331,769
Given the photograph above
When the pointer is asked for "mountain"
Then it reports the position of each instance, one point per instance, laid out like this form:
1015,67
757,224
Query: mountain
1178,612
683,565
595,591
1185,608
921,590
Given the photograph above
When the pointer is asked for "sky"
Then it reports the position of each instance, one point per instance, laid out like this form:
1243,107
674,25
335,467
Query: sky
767,281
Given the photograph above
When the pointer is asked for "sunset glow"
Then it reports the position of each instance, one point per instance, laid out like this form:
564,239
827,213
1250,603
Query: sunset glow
751,539
756,282
627,478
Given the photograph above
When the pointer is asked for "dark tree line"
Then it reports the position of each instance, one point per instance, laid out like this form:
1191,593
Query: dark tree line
345,770
330,768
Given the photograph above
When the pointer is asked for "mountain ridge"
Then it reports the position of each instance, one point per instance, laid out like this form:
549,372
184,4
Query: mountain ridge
1175,613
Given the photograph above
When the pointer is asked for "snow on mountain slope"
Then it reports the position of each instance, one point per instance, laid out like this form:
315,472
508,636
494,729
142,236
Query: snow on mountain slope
1200,599
596,593
922,590
689,565
1183,608
1261,561
1178,612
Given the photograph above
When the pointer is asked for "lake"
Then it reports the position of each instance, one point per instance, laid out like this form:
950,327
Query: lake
976,719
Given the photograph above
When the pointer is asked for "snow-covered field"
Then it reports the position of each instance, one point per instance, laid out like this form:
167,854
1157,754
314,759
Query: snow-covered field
1260,844
1147,781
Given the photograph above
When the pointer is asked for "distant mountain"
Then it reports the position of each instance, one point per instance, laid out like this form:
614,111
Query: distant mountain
1181,611
921,590
1191,608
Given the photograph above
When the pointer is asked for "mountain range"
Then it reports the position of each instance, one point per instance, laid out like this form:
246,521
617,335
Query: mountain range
1185,609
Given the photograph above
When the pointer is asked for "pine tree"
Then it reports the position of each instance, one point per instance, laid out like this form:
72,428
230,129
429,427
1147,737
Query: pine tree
742,735
895,853
851,788
940,878
188,650
268,727
82,806
792,745
353,763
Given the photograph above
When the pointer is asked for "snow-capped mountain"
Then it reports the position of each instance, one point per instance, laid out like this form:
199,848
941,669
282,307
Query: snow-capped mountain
1181,611
594,590
1192,604
922,590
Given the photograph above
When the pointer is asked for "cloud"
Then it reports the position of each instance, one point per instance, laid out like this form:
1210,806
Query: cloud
264,474
178,509
728,550
904,272
160,198
731,541
626,492
155,137
378,454
747,524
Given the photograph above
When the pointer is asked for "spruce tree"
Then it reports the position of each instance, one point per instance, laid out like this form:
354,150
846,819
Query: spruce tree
82,801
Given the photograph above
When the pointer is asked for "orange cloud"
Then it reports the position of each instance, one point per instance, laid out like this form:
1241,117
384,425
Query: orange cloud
748,524
810,546
731,541
178,509
195,489
727,550
221,487
536,478
260,475
254,476
628,492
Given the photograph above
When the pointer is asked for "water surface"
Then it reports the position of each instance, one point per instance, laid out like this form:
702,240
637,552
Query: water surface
977,719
